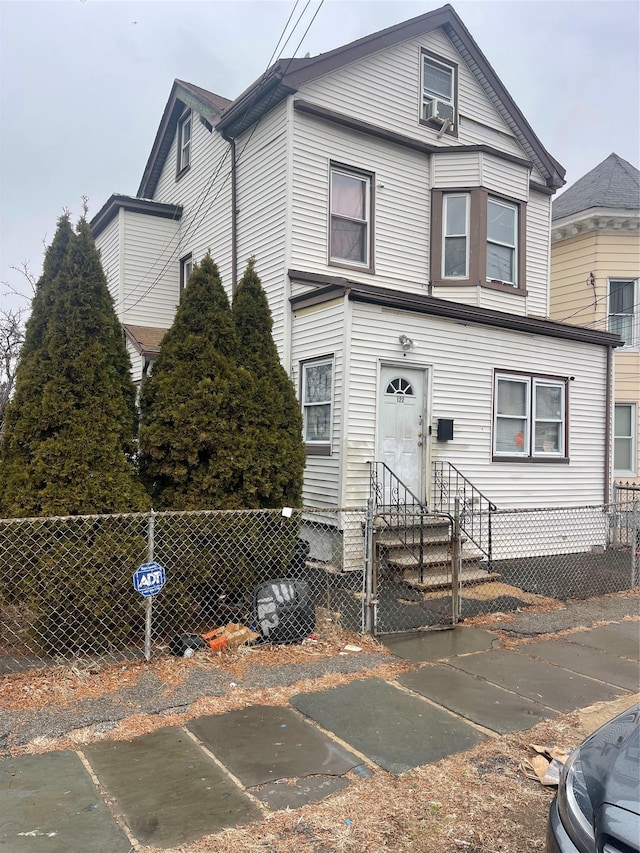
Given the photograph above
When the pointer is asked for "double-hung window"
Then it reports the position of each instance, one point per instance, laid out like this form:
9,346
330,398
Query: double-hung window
184,141
530,417
455,236
350,226
502,245
623,310
624,453
317,396
438,91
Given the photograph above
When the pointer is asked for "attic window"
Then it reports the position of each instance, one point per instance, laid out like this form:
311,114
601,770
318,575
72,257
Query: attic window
184,142
439,89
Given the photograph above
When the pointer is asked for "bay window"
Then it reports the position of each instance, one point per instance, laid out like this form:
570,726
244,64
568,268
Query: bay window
478,239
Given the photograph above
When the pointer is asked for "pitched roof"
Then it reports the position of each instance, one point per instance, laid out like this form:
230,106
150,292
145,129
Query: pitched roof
329,287
287,75
182,94
146,339
613,184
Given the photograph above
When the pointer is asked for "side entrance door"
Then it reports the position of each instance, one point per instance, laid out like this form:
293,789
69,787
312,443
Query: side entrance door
401,437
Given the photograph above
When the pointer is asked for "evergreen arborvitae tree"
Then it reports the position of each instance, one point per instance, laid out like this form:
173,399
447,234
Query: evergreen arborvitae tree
69,437
192,446
273,477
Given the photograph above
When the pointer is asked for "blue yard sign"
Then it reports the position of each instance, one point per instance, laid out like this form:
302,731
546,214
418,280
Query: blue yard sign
149,579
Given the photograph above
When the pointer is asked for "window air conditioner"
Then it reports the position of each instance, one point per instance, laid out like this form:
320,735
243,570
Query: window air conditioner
437,111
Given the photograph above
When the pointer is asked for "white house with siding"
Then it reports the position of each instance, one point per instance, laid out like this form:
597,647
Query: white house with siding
398,205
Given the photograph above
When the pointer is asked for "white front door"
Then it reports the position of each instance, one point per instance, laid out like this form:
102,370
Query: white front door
401,435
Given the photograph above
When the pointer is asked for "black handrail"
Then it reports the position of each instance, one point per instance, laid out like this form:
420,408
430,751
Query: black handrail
475,508
401,511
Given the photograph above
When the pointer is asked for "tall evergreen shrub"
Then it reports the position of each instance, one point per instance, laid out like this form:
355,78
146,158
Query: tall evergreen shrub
273,477
192,445
69,438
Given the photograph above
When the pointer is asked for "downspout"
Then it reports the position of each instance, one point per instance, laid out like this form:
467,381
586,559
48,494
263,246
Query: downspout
607,429
234,214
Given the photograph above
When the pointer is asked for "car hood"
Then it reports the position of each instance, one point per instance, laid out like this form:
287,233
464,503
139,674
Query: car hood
610,761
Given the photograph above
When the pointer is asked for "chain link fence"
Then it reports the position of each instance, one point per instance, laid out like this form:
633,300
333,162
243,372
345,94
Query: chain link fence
67,592
523,558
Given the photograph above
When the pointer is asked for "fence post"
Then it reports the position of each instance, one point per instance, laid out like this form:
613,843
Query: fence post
369,600
148,602
456,558
635,540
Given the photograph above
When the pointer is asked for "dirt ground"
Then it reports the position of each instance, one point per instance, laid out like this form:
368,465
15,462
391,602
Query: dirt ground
480,801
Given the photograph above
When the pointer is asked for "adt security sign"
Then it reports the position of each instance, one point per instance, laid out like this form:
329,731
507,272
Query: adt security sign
149,579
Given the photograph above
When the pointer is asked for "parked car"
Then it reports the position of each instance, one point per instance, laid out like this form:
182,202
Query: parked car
597,807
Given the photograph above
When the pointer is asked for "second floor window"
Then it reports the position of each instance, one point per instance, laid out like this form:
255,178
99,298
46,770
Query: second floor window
623,310
502,229
186,268
455,251
350,225
184,141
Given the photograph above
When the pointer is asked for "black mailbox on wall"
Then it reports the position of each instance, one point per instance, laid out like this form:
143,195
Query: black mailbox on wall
445,429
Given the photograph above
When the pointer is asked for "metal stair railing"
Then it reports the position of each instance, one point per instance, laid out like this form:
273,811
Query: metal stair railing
401,512
476,509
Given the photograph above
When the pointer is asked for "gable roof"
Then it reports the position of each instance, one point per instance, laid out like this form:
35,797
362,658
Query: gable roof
182,95
287,75
613,184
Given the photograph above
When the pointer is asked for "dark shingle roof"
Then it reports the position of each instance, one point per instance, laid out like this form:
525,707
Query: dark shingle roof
614,183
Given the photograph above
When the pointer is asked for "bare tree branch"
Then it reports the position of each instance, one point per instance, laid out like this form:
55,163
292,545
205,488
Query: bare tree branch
11,338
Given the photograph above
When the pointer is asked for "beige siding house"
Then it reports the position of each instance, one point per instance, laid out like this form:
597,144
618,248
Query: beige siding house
595,282
403,240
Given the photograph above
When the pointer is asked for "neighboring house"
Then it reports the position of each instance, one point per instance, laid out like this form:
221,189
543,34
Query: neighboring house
595,282
398,205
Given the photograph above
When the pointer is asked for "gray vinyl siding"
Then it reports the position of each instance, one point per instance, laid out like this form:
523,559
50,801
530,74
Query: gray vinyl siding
150,272
316,333
538,254
137,363
204,192
108,245
384,88
462,361
262,206
401,204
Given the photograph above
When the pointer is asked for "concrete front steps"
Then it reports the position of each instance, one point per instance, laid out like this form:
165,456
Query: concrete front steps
398,547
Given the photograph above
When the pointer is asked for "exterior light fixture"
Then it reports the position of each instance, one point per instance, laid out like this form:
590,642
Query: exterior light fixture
406,343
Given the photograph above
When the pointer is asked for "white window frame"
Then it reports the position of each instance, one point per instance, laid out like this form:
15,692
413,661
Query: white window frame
445,235
634,314
186,268
306,404
528,449
184,146
366,179
632,439
428,95
513,246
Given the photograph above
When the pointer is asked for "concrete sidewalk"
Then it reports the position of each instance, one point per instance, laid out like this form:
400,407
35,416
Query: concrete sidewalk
180,783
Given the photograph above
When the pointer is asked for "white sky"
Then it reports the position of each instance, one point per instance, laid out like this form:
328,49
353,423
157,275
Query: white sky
84,82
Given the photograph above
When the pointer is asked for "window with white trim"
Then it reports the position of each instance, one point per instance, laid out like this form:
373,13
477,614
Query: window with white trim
625,438
455,236
350,206
502,245
530,417
186,268
317,396
623,310
184,141
438,91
